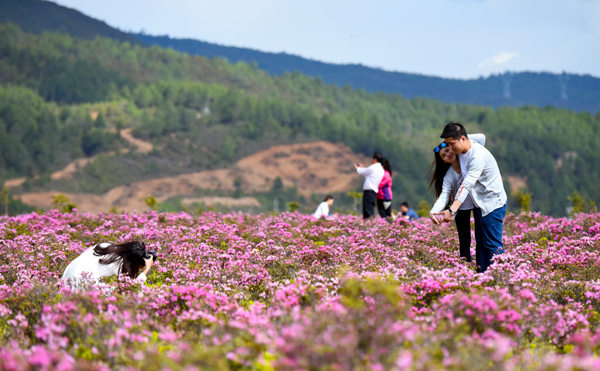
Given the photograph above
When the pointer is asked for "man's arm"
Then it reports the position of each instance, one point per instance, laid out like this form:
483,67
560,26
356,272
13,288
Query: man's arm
476,167
478,138
364,170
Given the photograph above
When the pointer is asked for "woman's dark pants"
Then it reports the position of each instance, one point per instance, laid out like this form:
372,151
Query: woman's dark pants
383,212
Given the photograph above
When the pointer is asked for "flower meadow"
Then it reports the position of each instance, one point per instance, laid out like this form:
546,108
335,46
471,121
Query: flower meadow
286,292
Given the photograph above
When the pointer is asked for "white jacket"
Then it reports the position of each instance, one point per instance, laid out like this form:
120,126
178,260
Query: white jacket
449,186
322,210
483,180
89,264
373,175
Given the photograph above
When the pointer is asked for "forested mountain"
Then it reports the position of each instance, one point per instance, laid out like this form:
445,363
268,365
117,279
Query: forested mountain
577,92
37,16
204,113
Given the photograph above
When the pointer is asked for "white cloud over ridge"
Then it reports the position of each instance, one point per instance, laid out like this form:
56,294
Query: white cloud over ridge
497,60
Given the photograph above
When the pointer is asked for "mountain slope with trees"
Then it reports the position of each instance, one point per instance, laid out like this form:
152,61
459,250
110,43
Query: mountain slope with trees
509,89
204,113
580,92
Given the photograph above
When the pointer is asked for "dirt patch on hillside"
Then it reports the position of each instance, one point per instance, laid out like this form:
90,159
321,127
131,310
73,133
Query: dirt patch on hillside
142,146
319,167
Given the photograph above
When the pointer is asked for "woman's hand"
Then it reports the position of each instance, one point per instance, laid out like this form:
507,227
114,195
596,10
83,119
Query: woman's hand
148,262
434,218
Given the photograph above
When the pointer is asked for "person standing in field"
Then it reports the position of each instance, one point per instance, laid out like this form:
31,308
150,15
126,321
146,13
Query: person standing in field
446,178
373,175
484,182
384,196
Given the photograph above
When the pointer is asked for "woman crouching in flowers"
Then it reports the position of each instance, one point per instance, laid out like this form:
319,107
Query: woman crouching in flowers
447,176
107,259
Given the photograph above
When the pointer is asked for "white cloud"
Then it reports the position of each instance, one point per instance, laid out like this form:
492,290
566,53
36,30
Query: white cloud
497,59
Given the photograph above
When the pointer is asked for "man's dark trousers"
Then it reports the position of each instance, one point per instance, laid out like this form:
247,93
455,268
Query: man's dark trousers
488,234
369,200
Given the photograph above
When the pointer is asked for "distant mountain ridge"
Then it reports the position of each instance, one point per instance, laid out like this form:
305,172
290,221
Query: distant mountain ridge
576,92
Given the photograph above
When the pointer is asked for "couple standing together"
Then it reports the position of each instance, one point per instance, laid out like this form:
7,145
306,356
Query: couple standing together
466,177
377,187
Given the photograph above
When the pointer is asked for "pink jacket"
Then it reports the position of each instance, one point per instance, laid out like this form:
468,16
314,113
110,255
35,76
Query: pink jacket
385,187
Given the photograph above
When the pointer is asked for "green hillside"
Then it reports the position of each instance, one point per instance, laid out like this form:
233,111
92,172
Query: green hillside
524,88
206,113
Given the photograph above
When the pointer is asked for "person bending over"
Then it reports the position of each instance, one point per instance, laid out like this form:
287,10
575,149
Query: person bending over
108,259
373,176
323,209
408,213
446,178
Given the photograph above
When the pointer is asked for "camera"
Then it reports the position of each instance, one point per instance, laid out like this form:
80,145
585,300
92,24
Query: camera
151,254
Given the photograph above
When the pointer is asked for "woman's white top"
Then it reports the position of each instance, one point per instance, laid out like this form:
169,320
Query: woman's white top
453,181
89,264
322,210
468,204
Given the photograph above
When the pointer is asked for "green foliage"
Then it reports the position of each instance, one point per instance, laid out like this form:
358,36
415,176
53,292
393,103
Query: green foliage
423,208
523,200
62,203
355,197
579,204
13,206
293,206
277,185
151,202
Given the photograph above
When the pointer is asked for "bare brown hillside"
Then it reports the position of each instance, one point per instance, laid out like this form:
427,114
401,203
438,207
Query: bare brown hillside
319,167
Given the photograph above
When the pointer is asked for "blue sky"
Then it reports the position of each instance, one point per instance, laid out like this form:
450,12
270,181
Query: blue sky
449,38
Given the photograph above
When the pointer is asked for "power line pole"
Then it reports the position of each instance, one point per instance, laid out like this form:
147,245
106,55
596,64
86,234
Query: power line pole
507,77
563,79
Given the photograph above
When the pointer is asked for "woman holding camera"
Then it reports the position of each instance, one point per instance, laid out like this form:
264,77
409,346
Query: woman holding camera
107,259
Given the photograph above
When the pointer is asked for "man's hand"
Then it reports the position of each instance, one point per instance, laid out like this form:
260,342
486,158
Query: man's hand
447,216
357,165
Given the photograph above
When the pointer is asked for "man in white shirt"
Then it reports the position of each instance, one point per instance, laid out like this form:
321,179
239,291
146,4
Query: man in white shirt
323,209
483,182
373,176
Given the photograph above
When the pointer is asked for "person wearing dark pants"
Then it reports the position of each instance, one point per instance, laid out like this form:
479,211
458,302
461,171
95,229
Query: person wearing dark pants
384,196
488,234
463,227
446,178
369,200
483,182
373,175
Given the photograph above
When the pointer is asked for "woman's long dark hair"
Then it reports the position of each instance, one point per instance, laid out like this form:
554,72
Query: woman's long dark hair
438,172
130,256
385,163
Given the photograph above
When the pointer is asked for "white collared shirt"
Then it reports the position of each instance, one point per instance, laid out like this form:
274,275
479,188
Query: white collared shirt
373,176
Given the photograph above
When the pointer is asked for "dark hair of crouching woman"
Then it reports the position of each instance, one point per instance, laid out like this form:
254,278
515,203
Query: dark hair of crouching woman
107,259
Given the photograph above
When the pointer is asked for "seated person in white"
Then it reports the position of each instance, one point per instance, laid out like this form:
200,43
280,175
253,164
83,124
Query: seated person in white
107,259
323,209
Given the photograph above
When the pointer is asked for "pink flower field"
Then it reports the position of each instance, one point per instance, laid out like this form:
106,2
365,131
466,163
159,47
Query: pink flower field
243,292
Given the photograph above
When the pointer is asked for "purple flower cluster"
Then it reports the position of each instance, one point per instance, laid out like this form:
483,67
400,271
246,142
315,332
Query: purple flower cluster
286,292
